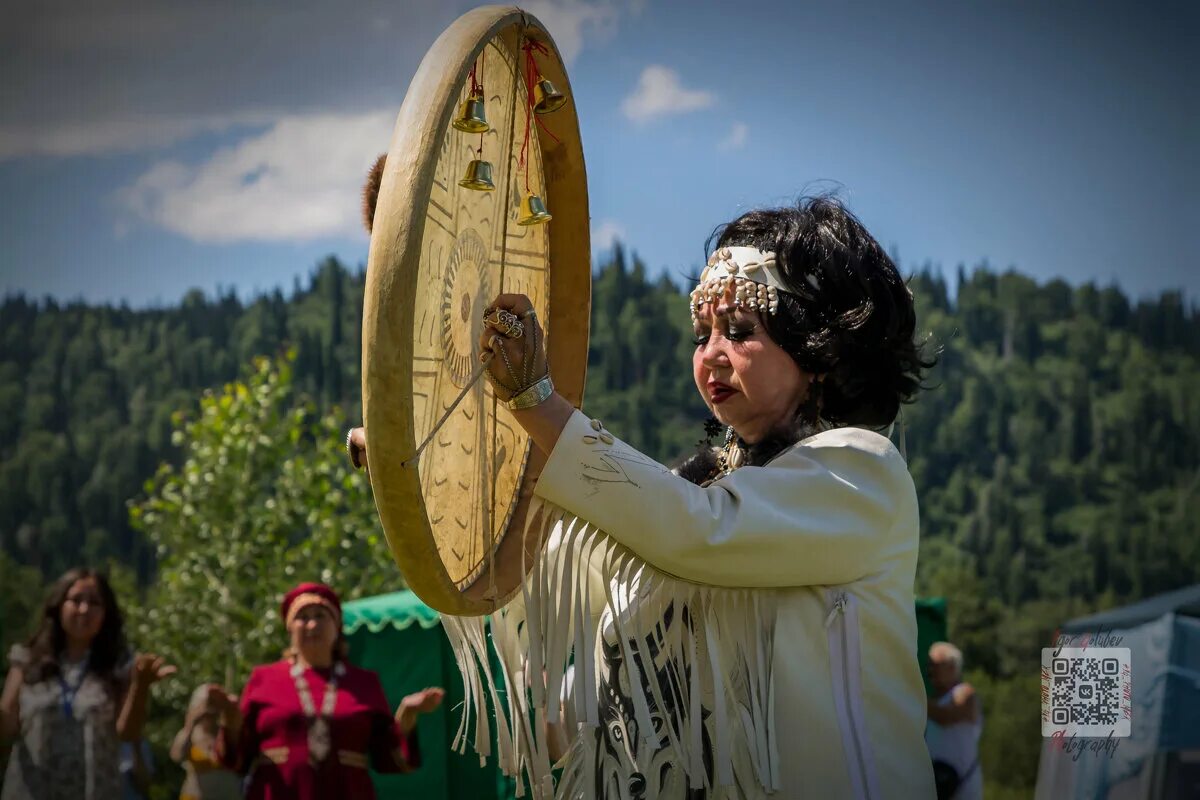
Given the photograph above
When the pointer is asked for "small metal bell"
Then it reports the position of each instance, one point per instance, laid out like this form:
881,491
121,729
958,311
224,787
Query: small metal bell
471,118
478,176
533,211
546,98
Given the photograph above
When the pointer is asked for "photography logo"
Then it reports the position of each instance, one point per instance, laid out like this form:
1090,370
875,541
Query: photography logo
1086,692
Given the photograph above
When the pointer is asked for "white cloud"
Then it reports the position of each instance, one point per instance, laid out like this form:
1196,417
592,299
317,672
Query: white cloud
97,79
606,233
571,22
298,180
129,76
106,136
736,139
659,93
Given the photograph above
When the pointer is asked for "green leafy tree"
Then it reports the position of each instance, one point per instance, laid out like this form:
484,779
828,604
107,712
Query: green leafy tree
265,498
20,601
1054,457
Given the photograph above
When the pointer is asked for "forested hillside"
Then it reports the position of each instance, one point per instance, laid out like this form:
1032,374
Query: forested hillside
87,396
1055,452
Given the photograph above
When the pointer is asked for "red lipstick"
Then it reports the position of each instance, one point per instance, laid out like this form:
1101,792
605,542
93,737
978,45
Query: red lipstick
719,392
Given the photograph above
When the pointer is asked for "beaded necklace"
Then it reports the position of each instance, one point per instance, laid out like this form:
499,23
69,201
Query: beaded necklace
319,738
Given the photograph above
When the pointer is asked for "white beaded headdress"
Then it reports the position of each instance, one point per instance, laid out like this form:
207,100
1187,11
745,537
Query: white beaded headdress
753,273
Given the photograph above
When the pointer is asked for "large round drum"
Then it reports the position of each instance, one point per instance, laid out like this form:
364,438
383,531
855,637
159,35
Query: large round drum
439,254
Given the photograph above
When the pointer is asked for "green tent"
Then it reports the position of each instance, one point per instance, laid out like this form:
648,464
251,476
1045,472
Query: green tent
931,627
401,638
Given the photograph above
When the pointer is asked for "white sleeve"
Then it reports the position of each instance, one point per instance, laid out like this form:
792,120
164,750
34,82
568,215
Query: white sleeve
817,515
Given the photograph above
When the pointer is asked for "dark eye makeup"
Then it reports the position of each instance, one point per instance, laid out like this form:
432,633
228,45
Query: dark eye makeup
738,332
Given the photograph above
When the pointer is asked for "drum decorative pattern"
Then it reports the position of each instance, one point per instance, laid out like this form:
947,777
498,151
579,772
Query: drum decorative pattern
473,249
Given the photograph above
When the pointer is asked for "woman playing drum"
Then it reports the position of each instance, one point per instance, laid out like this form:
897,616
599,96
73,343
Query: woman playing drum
758,632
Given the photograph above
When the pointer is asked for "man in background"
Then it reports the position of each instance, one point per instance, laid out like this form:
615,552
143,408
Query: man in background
955,724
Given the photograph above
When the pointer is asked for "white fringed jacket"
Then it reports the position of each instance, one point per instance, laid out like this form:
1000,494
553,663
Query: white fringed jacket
752,638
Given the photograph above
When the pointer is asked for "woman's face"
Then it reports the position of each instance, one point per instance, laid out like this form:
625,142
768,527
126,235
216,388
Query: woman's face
746,380
314,631
82,612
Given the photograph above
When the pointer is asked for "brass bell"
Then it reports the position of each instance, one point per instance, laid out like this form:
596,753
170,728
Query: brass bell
533,211
471,118
546,98
478,176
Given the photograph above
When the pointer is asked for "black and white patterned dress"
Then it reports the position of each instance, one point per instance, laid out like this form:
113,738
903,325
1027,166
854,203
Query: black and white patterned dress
630,766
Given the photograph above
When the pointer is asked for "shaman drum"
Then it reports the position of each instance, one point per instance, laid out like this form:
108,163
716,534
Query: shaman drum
442,247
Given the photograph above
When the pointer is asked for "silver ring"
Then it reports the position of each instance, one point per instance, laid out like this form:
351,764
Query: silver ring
506,323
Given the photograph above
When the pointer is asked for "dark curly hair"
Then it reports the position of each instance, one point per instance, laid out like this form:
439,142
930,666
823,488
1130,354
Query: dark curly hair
847,317
109,651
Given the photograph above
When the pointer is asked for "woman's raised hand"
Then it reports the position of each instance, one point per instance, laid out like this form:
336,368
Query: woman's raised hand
220,700
356,447
424,701
511,332
149,669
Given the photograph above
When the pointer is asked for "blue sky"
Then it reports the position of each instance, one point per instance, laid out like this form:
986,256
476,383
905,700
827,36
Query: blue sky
149,147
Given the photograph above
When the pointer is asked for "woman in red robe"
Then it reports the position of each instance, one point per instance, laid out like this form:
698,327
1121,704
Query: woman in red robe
308,726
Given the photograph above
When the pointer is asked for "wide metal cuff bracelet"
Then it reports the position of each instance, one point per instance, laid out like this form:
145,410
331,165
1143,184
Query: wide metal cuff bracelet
535,395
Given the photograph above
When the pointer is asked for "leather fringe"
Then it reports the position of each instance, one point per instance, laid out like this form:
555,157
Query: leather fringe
713,665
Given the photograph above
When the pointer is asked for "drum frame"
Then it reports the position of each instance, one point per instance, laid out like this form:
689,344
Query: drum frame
390,296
